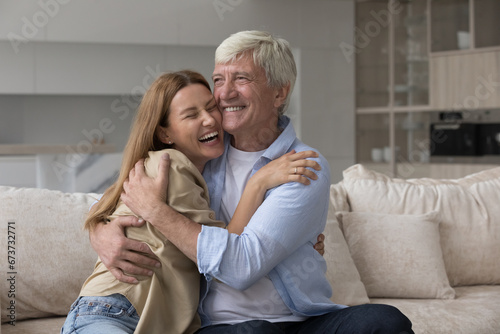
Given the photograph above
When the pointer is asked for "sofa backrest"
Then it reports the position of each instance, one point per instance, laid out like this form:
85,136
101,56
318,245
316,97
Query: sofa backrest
469,209
46,254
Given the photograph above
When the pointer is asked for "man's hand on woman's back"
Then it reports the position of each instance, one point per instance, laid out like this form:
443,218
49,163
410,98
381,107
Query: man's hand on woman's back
123,257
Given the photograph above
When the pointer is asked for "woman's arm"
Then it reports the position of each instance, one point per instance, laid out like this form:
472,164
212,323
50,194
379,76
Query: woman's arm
291,167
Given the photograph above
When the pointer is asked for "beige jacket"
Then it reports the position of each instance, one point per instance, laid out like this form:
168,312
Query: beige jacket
167,302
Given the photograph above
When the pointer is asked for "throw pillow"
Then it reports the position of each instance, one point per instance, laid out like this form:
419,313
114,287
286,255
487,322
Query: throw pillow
397,256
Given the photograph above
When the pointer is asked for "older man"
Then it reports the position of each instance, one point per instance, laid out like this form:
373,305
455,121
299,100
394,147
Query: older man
270,279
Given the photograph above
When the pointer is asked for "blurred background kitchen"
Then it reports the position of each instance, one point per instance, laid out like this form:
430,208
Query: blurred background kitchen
409,88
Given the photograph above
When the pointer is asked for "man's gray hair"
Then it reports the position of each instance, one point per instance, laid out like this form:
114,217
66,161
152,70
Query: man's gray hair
270,52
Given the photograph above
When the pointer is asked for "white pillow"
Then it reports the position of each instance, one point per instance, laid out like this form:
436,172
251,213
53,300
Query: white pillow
397,256
51,253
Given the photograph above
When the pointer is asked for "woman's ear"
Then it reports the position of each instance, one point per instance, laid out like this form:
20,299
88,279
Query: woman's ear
163,136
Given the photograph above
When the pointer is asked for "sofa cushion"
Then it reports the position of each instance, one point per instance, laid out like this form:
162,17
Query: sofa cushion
52,255
347,288
341,271
39,326
470,224
475,310
398,256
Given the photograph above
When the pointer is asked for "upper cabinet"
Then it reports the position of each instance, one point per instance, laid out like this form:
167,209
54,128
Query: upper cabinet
486,23
93,68
416,61
372,56
411,62
458,25
450,26
465,54
426,54
392,62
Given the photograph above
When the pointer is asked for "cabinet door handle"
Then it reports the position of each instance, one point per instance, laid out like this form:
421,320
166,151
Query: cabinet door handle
447,126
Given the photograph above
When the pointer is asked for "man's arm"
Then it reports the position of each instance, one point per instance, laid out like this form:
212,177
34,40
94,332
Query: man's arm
120,254
146,197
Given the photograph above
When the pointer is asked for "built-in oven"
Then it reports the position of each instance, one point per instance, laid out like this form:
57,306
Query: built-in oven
454,139
489,139
465,139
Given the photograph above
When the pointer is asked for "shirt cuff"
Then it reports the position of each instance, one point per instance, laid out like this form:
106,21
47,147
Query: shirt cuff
211,246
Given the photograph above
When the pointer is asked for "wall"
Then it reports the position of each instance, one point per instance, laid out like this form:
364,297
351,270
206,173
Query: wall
64,63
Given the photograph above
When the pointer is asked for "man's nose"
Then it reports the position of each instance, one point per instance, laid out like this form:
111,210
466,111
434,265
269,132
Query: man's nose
226,91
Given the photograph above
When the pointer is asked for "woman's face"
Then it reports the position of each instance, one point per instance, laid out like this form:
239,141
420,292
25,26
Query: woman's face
195,125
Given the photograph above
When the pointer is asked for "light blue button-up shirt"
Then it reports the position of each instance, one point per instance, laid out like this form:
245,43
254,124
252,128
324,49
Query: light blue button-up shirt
278,241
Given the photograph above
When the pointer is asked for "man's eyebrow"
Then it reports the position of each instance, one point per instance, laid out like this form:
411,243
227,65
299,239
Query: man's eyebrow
233,74
242,73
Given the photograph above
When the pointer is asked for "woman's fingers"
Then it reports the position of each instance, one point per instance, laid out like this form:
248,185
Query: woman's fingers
304,172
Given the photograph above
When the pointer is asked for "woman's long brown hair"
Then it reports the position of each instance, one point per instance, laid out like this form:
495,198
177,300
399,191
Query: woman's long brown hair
152,112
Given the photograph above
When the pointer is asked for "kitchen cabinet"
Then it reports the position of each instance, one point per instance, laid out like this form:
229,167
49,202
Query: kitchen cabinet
392,57
100,69
486,24
94,69
462,25
450,26
18,171
392,75
17,71
372,58
465,54
59,167
428,59
468,81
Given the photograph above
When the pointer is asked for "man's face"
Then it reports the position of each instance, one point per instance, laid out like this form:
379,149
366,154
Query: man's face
248,105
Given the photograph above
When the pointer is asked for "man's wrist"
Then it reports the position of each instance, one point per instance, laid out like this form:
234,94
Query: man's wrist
159,213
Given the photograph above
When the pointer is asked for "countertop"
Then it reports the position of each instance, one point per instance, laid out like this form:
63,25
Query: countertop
34,149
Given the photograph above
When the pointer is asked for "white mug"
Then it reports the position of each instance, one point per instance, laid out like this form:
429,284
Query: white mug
463,40
387,153
377,154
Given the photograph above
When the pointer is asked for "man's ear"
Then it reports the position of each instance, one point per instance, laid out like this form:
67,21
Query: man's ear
281,95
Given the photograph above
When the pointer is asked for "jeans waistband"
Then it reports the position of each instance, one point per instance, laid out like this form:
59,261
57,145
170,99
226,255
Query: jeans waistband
115,299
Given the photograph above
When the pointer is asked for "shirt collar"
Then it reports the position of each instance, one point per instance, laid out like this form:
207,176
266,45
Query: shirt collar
280,146
284,142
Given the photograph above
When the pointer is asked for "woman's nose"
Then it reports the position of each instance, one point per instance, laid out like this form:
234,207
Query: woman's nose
208,119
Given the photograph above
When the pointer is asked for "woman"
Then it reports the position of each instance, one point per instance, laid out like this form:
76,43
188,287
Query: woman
178,115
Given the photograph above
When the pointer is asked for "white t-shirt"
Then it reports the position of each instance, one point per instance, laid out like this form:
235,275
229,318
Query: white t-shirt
226,305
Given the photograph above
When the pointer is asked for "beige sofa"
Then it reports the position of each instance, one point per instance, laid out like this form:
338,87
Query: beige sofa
429,247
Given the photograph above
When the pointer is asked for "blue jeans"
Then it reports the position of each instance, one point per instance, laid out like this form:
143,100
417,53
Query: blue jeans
362,319
107,315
